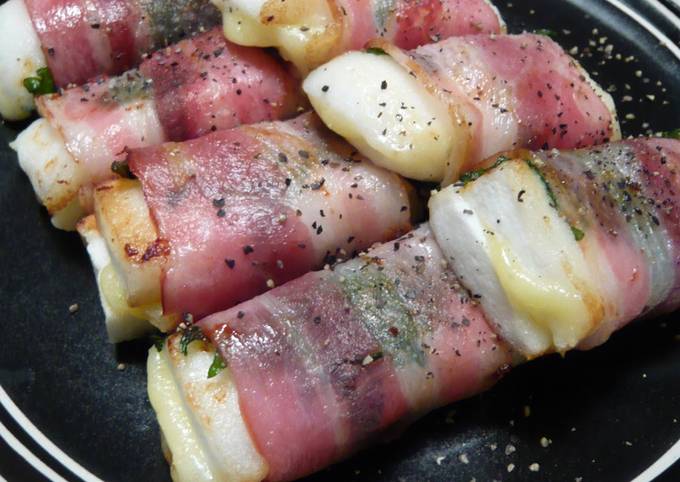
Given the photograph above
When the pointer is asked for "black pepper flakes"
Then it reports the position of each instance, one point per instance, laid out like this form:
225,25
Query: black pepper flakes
315,186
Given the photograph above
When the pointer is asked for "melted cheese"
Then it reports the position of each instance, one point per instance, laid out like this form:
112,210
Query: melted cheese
554,305
298,29
385,113
509,245
20,57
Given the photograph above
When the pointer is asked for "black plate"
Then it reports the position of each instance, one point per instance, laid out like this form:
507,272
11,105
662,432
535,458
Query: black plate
609,413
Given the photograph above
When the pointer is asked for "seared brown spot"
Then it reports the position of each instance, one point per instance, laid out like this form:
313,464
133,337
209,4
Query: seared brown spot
160,247
130,250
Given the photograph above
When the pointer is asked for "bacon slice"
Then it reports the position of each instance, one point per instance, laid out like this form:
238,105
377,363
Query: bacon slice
569,246
232,214
182,92
335,358
328,363
309,33
440,109
82,39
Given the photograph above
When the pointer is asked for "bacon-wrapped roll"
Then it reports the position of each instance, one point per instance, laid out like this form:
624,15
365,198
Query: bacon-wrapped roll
568,246
195,87
81,39
324,365
311,32
215,221
437,111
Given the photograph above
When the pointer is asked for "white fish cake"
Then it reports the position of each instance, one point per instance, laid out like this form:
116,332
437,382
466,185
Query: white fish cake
55,175
117,240
122,322
203,429
124,220
391,118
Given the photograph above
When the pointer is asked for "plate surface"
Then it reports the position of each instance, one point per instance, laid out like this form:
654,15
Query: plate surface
606,415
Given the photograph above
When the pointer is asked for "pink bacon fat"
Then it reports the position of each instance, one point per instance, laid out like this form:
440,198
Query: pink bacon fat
337,358
631,204
243,210
311,32
409,24
182,92
623,197
82,39
436,111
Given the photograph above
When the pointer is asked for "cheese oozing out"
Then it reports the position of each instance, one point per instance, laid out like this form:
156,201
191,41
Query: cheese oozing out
203,430
513,250
55,175
302,30
20,56
117,237
373,102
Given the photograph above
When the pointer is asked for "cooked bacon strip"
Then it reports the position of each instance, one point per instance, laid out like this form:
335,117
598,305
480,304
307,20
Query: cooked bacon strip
311,32
571,246
329,362
82,39
195,87
335,358
20,57
230,215
440,109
